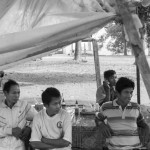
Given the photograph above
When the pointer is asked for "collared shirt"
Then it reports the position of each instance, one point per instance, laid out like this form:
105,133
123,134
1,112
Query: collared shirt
11,118
52,127
101,94
123,124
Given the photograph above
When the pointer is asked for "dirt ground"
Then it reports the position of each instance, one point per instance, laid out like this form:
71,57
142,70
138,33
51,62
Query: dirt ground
76,80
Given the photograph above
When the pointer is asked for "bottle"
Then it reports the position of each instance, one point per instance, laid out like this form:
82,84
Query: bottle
76,108
63,104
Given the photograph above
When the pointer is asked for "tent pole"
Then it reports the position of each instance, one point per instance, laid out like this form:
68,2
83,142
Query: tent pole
96,61
136,43
138,85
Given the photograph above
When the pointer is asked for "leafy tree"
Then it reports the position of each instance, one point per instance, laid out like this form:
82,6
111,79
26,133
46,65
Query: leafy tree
116,32
144,15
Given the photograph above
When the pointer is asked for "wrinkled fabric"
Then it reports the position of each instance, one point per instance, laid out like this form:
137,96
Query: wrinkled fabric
20,15
32,28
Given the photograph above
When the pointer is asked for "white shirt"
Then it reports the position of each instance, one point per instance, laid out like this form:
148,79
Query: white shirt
11,118
52,127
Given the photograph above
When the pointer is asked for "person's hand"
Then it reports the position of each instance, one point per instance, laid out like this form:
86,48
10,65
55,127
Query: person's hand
99,118
38,107
17,132
44,140
26,132
144,135
106,85
105,130
61,137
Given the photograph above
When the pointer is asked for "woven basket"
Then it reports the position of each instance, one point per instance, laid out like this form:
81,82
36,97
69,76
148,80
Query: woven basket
87,138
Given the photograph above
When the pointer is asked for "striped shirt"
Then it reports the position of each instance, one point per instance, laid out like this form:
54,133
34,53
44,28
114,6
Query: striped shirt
11,118
123,124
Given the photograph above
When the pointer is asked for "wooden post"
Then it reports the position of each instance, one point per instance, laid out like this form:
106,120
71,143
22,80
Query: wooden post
96,60
138,85
136,43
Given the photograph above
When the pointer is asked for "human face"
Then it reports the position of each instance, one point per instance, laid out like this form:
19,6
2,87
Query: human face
54,106
125,96
13,95
112,80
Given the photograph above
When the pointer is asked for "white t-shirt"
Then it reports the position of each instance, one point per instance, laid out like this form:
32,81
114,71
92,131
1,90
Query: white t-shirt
52,127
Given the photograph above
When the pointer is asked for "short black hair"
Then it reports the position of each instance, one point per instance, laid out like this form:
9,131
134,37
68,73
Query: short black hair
50,93
9,84
1,74
124,83
109,73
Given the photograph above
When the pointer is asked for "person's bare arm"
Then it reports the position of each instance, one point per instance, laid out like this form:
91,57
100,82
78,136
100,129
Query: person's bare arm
106,131
57,143
40,145
144,130
107,90
103,95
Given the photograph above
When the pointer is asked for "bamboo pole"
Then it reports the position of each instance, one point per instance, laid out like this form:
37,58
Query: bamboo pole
136,43
138,85
96,60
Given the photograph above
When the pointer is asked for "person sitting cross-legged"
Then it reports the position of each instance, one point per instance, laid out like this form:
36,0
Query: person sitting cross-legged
52,128
125,127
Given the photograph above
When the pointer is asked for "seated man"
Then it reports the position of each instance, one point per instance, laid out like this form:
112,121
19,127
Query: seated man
52,128
106,92
123,119
14,116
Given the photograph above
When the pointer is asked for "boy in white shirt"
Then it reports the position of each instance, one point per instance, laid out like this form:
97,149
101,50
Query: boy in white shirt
52,128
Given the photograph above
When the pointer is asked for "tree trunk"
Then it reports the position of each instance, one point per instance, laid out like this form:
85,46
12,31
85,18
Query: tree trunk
125,48
77,55
97,65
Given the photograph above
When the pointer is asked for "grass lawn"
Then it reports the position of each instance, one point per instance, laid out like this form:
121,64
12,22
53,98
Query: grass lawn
76,80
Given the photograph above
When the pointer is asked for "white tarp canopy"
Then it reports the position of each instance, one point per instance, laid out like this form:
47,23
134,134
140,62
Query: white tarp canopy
30,28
